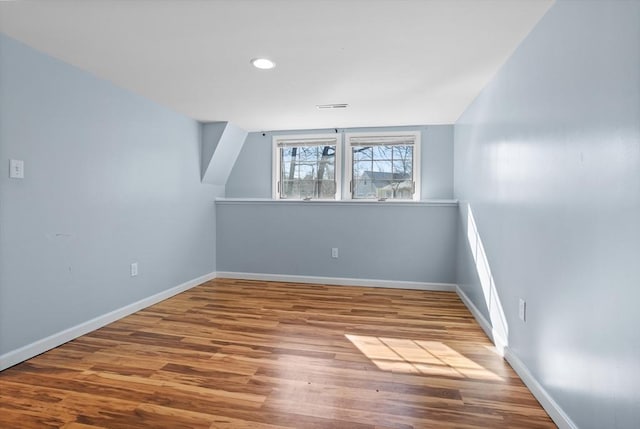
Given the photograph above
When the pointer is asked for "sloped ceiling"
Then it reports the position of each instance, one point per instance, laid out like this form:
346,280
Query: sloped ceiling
395,62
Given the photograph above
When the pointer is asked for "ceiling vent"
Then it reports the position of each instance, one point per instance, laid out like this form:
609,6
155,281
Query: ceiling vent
332,106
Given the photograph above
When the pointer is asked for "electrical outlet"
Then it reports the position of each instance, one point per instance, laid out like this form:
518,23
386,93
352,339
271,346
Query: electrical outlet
134,269
522,310
16,169
334,252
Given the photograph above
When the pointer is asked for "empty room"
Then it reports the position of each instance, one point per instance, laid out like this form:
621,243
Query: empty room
362,214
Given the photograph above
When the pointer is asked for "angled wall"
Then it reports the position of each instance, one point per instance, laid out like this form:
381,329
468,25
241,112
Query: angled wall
110,179
221,144
547,158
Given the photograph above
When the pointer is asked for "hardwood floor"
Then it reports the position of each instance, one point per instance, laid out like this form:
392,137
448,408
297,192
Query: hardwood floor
248,354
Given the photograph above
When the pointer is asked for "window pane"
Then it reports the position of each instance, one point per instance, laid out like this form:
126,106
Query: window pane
287,153
289,189
383,152
307,172
382,171
307,154
363,189
382,166
360,167
402,169
326,171
361,153
327,189
402,152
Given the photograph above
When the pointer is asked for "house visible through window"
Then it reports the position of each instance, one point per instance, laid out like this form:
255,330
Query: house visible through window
379,166
383,166
306,167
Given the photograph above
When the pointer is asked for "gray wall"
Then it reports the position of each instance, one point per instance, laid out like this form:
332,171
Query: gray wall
385,241
548,158
111,178
251,174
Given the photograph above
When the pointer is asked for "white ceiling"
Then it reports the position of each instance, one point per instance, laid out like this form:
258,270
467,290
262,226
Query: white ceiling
395,62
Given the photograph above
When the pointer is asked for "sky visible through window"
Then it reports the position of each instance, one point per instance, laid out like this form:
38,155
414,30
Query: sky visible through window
382,171
308,171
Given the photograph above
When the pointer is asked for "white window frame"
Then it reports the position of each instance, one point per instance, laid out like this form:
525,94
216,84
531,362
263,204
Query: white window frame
348,165
276,160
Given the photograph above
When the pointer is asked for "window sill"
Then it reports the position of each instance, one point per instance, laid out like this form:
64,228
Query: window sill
412,203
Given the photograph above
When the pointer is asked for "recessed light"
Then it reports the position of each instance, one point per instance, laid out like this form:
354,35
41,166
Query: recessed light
332,106
263,63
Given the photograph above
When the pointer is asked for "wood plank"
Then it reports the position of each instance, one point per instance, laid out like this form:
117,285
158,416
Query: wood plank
270,355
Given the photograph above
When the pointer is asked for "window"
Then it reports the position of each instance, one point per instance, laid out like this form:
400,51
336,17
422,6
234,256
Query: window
306,167
380,166
383,166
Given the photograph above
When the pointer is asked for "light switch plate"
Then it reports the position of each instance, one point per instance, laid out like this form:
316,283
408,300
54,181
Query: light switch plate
16,169
522,310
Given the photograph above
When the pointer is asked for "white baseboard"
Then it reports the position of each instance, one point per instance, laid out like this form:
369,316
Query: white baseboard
552,408
339,281
30,350
548,403
494,336
556,413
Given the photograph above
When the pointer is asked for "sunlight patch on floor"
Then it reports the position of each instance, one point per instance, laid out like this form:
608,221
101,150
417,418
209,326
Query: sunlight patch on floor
419,357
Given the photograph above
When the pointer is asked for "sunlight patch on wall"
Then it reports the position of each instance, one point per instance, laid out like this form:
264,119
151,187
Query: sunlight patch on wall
499,326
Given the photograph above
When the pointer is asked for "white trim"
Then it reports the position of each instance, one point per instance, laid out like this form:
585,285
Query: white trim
275,159
421,203
552,408
348,157
275,168
494,336
30,350
339,281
